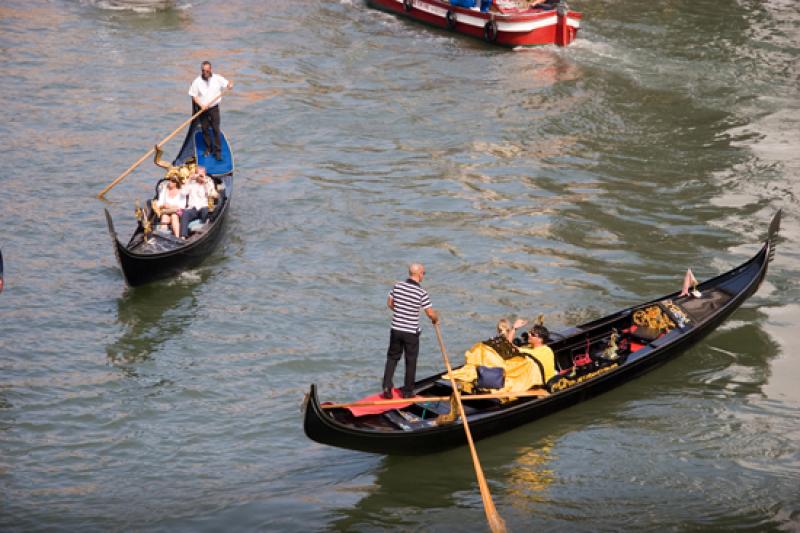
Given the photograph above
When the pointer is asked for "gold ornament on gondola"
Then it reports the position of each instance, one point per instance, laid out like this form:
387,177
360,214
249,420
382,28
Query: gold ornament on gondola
653,317
141,216
191,165
611,351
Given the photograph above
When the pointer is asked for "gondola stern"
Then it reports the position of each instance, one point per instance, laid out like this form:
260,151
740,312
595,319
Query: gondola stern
119,249
772,233
110,224
314,425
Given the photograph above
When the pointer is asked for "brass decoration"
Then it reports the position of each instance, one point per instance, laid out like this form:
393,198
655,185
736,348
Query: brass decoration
653,317
566,382
611,350
143,219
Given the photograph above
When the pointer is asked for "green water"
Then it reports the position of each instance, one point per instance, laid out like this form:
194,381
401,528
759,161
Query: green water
569,182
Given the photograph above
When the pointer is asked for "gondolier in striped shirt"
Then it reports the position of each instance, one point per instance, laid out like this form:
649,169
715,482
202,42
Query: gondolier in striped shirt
406,299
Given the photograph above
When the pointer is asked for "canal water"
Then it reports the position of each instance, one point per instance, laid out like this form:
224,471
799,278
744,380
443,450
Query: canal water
569,182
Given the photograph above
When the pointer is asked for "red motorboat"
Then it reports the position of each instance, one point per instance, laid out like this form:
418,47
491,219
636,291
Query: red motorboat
544,23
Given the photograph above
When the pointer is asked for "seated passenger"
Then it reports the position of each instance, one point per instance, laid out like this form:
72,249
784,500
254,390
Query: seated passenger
199,190
171,202
538,350
521,373
503,343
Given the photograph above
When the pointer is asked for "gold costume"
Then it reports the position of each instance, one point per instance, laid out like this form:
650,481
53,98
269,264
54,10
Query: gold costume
522,373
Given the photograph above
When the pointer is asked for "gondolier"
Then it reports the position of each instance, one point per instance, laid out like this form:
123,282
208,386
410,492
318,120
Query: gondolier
406,299
205,92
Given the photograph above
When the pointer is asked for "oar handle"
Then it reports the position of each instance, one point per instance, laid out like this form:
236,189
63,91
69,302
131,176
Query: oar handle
163,141
426,399
496,523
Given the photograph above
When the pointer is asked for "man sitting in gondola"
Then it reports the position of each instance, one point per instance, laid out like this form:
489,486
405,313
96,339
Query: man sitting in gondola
538,350
200,194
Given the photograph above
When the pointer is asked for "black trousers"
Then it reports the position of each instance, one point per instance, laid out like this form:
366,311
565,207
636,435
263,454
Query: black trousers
210,121
401,343
192,214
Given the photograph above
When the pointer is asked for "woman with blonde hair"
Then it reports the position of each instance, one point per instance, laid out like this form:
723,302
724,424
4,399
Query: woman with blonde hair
503,343
171,202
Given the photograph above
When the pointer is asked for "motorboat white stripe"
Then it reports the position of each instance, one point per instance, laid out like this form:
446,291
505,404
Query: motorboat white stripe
528,25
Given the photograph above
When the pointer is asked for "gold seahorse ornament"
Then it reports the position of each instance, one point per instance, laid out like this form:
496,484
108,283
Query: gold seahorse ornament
147,228
610,352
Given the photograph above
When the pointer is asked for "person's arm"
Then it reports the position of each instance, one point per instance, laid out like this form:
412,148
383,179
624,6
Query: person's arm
196,100
224,82
211,191
390,302
432,314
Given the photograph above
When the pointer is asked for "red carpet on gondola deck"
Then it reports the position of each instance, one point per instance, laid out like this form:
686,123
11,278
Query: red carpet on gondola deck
378,409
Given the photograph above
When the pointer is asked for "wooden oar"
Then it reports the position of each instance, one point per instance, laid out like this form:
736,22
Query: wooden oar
151,150
496,524
425,399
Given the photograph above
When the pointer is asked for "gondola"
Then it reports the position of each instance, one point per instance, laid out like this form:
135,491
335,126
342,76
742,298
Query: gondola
2,282
583,371
159,255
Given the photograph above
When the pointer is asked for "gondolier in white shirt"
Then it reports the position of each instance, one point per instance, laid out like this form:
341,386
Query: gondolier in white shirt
406,299
204,92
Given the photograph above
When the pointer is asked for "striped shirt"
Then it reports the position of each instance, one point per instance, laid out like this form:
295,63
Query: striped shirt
408,298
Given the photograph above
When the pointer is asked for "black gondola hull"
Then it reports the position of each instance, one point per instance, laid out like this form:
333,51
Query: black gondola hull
742,282
140,268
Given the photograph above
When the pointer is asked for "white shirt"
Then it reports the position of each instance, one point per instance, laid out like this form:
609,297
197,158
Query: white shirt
172,202
198,194
206,91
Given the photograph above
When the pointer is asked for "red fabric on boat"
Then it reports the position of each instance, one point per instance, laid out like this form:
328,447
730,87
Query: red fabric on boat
378,409
635,346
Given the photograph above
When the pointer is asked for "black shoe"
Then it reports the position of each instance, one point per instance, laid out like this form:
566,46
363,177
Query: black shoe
387,393
218,156
207,153
407,394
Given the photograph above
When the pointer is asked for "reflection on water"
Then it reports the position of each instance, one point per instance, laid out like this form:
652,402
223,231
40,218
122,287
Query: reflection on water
152,314
530,475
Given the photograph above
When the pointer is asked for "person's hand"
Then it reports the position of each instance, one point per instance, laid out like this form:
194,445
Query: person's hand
520,323
230,85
